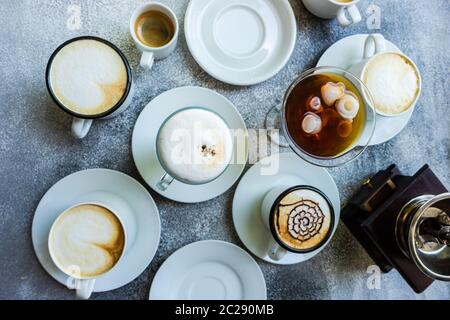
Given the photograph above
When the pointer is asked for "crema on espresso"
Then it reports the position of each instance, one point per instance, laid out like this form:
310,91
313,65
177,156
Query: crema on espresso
88,77
88,240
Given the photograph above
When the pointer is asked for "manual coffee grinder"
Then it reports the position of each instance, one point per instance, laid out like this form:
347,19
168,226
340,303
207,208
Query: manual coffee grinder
404,223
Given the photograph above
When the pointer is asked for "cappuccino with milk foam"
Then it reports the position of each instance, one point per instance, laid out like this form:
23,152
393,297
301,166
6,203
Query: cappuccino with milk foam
195,145
88,77
87,239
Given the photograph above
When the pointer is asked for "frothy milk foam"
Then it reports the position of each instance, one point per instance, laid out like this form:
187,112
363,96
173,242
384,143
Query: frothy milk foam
195,145
393,82
87,238
88,77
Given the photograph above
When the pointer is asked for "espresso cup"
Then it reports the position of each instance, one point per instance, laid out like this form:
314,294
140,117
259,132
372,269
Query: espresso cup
194,146
152,53
85,88
398,69
110,228
330,9
299,218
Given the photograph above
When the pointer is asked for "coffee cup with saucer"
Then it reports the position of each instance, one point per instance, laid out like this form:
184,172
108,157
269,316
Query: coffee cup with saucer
267,179
121,194
148,159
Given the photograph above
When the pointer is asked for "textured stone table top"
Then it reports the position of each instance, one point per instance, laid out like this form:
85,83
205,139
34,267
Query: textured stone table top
36,149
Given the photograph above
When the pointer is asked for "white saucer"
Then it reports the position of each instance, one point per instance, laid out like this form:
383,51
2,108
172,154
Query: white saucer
251,191
348,52
146,129
90,185
241,42
209,270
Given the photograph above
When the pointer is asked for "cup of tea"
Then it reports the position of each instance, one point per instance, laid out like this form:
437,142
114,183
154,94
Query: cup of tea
194,146
326,117
393,78
299,218
154,29
330,9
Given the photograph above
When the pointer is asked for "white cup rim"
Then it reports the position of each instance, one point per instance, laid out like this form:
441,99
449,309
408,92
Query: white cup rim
363,71
147,7
100,204
344,4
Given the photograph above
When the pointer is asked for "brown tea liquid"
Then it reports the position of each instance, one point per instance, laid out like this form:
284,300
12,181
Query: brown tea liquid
154,28
328,142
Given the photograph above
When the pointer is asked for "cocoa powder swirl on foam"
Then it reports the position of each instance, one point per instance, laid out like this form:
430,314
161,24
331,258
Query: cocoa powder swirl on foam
305,220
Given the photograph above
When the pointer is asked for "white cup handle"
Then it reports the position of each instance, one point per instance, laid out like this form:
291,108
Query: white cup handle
85,288
165,182
147,60
276,252
80,127
375,43
354,13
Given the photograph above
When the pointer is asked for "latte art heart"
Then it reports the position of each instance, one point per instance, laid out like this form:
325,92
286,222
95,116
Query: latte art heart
87,240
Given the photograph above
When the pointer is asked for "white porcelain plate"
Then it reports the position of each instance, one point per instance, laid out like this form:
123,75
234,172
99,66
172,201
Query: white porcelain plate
348,52
209,270
99,185
276,170
241,42
146,130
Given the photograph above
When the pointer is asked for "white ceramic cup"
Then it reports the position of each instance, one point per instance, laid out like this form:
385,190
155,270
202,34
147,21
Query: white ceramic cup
84,286
169,177
81,124
150,54
276,250
330,9
374,46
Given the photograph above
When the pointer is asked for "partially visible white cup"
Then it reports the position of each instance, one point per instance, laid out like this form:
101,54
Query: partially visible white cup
330,9
374,46
150,54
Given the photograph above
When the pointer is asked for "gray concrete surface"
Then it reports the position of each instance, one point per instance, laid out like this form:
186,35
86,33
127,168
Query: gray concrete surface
36,149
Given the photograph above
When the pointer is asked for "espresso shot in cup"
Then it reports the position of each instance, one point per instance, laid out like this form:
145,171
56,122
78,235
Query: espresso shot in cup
154,29
89,78
194,146
299,218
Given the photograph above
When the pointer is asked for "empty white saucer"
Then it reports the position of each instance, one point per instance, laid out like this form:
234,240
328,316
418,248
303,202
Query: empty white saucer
209,270
349,51
146,130
92,185
276,170
241,42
